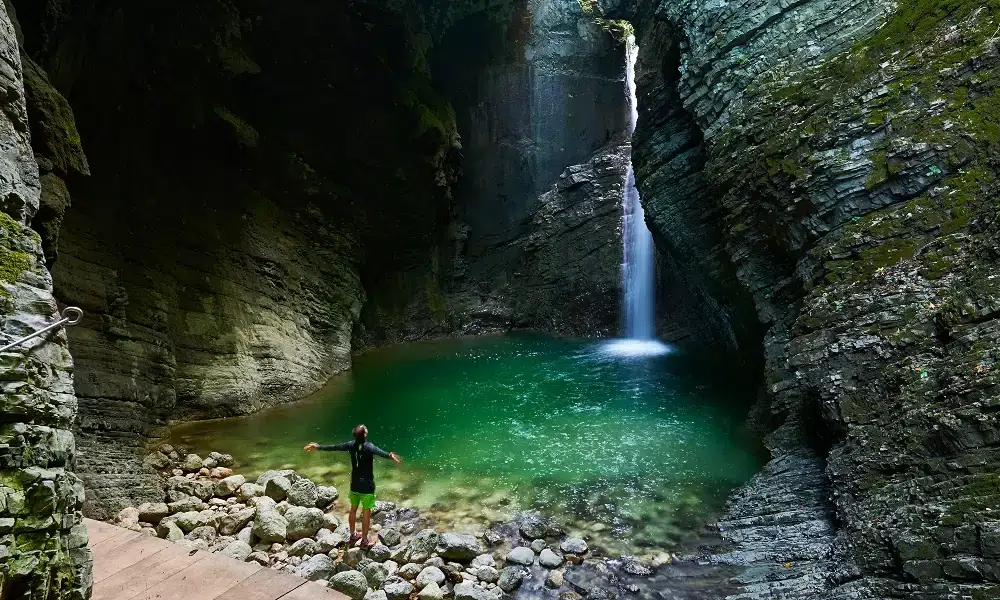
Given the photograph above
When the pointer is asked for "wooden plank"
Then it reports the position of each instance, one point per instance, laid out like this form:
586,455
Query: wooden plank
126,555
145,574
266,584
314,591
206,579
120,537
98,531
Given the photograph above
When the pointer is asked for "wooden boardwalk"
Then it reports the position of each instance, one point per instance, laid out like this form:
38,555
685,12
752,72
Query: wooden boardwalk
129,565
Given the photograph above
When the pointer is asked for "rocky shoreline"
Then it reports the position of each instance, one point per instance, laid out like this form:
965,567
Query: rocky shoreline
285,521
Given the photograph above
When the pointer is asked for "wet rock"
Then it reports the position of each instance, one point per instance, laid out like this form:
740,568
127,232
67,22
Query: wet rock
431,591
574,546
397,588
277,488
511,578
554,579
375,573
522,555
249,490
549,559
632,566
487,574
537,546
153,512
302,522
227,487
457,546
429,575
238,550
303,493
534,528
316,568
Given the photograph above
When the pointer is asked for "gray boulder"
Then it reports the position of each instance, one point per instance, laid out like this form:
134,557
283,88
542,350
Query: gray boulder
487,574
537,546
409,571
327,540
304,547
423,544
397,588
192,463
245,534
249,490
269,525
549,559
431,591
261,558
266,476
169,531
390,537
238,550
231,523
325,495
470,591
277,488
205,532
302,522
429,575
303,493
189,521
375,573
228,486
186,504
457,546
179,486
350,583
316,568
379,553
534,528
511,578
522,555
574,546
484,560
376,595
153,512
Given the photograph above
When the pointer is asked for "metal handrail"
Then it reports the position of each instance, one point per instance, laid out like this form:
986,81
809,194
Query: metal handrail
65,320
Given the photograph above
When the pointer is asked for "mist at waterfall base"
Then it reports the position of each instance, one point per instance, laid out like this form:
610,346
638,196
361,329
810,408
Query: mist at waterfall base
638,267
634,454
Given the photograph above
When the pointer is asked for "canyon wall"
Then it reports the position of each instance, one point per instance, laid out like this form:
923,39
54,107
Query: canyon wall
831,165
43,551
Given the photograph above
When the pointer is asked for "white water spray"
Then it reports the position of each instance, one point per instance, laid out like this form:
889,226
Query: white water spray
638,273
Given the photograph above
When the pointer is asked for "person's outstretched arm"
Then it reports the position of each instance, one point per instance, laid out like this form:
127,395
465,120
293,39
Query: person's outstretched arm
380,452
313,446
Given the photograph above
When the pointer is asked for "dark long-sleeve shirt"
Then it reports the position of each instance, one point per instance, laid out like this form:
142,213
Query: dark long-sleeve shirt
362,463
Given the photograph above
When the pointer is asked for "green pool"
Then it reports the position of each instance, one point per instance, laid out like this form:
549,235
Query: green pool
636,452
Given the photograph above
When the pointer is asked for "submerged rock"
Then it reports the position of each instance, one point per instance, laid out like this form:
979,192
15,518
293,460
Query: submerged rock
574,546
549,559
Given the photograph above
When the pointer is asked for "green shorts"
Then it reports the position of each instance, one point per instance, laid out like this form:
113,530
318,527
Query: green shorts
365,500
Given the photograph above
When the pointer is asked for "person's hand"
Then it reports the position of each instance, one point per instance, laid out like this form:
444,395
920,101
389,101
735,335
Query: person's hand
395,457
311,447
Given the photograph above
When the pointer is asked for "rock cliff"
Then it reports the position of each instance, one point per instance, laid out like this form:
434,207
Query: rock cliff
842,158
43,551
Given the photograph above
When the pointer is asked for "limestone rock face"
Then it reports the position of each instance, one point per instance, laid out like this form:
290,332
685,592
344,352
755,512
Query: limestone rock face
42,495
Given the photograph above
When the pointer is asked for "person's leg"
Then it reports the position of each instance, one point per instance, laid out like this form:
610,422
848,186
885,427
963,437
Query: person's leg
352,517
366,521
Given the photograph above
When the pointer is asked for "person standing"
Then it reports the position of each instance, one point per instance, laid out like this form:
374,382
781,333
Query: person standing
362,478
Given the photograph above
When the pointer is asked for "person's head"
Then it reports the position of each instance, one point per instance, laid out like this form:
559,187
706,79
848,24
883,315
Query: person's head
360,433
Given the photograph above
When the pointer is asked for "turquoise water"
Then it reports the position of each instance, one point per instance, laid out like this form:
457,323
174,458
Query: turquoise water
635,452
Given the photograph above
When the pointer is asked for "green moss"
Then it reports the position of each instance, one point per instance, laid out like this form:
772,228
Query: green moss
13,261
619,29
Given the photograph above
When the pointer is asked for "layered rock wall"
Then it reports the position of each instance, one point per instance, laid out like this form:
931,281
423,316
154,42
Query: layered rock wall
43,551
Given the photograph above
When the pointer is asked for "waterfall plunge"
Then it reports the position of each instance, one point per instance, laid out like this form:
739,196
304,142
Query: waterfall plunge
638,273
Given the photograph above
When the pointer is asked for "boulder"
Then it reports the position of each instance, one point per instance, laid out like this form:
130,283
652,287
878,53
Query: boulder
186,504
632,566
220,473
327,540
153,512
261,558
549,559
353,556
397,588
269,525
431,591
410,571
303,493
554,579
574,546
205,532
457,546
376,595
277,488
379,553
487,574
533,528
266,476
470,591
423,544
228,486
302,522
429,575
375,573
484,560
522,555
315,568
179,486
169,531
209,463
192,463
158,460
238,550
128,517
390,537
511,578
304,547
249,490
230,524
350,583
325,495
189,521
245,534
537,546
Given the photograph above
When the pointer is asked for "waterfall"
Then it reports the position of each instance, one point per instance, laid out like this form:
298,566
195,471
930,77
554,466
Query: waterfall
638,273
